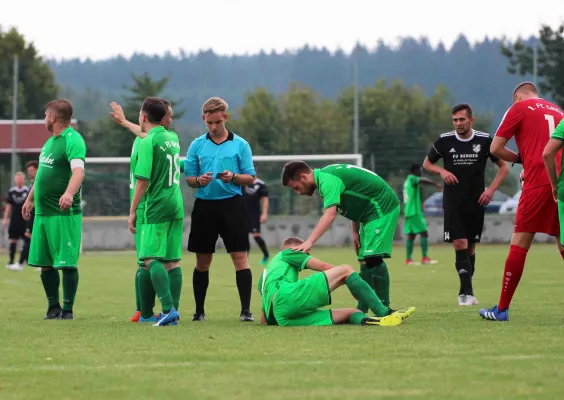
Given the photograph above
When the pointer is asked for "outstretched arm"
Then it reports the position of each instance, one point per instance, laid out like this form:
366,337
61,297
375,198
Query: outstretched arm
427,181
324,223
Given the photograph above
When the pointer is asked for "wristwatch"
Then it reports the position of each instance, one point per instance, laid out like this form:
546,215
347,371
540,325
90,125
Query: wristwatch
233,178
198,181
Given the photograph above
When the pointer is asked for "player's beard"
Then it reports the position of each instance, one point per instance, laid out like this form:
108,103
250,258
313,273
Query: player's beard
463,131
50,127
310,190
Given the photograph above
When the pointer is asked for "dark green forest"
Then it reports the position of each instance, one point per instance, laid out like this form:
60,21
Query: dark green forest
473,73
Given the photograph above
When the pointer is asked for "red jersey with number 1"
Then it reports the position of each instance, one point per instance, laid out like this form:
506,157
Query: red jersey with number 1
532,121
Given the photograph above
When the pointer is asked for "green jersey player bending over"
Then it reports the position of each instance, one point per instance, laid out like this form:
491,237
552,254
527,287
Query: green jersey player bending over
289,301
361,196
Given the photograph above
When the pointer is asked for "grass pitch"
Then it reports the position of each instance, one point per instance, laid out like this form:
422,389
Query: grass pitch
441,352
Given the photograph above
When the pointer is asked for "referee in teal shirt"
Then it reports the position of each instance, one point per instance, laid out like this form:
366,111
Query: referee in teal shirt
218,164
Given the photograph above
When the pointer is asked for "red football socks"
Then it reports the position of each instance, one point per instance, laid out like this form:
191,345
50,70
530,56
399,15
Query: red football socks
562,254
514,266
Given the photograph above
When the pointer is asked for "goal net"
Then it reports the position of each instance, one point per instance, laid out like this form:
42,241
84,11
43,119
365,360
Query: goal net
105,190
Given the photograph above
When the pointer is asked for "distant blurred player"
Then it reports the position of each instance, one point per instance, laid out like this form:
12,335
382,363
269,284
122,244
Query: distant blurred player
289,301
255,201
532,121
465,152
415,223
31,169
361,196
13,220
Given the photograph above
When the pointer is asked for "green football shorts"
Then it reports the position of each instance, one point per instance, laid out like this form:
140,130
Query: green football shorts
414,224
377,236
140,218
56,241
298,303
161,241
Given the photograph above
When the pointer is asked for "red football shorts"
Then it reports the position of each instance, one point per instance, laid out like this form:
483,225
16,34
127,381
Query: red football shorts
537,212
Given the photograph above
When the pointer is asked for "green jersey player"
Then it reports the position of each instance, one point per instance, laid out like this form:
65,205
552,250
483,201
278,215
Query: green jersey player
552,157
361,196
56,196
414,222
289,301
145,299
158,186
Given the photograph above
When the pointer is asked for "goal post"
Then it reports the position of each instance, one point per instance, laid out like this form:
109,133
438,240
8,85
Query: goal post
106,185
357,158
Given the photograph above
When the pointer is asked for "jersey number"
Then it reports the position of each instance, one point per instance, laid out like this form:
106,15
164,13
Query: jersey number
551,124
173,177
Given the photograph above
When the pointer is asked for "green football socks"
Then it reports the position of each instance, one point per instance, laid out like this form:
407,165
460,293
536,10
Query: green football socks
381,279
409,249
424,245
146,293
51,280
364,293
366,275
137,293
175,278
70,285
161,283
357,318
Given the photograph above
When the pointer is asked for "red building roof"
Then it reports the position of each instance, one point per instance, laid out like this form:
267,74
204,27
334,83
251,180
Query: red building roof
30,137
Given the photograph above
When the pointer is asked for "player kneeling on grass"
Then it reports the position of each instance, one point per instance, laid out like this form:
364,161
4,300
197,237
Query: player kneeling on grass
287,301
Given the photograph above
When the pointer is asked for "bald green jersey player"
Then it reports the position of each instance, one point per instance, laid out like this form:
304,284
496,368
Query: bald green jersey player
414,222
289,301
361,196
158,186
57,229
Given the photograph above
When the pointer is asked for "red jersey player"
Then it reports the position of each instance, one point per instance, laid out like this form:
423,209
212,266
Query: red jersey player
531,120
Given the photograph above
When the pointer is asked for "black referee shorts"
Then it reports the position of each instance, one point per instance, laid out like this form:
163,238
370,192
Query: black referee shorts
16,230
463,223
212,219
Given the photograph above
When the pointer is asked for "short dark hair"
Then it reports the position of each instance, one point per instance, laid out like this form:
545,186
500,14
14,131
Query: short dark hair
32,163
166,103
62,108
292,171
154,108
462,107
414,168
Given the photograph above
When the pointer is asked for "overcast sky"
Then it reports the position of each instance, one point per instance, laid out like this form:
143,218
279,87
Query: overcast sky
102,28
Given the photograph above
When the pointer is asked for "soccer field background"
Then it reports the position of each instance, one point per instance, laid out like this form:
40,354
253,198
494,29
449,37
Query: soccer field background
441,352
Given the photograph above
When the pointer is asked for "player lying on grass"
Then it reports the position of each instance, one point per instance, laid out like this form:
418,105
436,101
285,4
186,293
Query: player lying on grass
364,198
287,301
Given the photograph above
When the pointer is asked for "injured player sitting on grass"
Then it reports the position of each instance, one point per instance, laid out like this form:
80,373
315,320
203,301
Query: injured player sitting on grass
289,301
